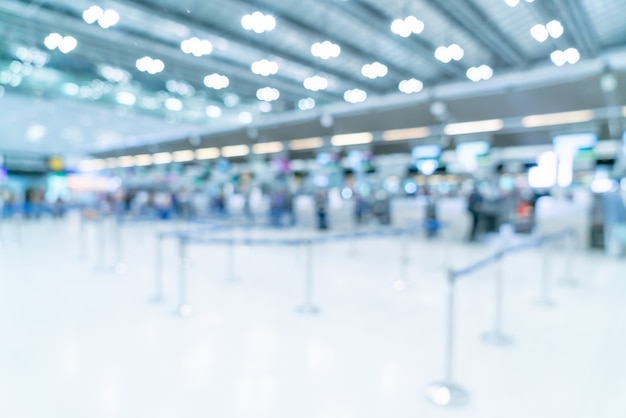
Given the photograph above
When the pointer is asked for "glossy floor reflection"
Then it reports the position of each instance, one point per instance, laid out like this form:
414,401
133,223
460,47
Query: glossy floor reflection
76,341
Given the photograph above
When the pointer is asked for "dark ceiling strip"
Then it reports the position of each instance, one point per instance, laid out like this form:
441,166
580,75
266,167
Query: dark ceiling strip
468,16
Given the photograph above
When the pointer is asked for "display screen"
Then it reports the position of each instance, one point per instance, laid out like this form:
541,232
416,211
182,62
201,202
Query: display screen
475,148
360,161
574,142
420,152
327,158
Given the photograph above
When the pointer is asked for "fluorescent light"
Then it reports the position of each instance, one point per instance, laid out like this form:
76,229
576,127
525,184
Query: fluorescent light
182,156
550,119
111,162
143,159
161,158
403,134
267,147
92,165
235,150
307,143
624,111
352,139
207,153
126,161
478,126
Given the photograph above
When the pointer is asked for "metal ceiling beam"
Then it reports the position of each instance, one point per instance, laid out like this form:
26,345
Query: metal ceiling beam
191,68
473,20
378,19
580,24
557,9
347,42
232,35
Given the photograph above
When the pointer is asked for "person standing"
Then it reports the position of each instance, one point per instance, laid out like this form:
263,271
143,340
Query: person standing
474,204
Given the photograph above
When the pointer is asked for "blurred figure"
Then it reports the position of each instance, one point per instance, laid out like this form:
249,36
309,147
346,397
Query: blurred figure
474,206
321,203
360,208
431,223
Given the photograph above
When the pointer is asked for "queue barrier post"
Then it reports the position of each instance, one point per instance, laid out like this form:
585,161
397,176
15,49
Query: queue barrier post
82,254
158,270
120,266
184,309
497,336
569,278
231,262
544,299
446,392
101,248
308,307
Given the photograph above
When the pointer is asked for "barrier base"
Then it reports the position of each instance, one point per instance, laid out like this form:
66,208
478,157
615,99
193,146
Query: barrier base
400,285
446,394
546,303
184,311
497,338
308,309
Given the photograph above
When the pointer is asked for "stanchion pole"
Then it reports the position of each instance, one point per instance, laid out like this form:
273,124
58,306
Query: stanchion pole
101,244
446,393
81,237
231,261
401,282
568,259
544,299
497,336
183,308
308,307
120,267
158,270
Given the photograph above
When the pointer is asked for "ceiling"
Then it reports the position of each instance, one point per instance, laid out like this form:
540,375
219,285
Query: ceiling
94,99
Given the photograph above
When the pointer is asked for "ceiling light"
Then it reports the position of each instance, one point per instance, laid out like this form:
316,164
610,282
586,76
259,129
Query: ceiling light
173,104
64,43
404,134
71,89
258,22
539,32
213,111
149,103
235,151
207,153
114,74
352,139
183,156
161,158
476,74
511,3
569,56
446,54
216,81
180,87
92,14
267,94
264,67
126,161
109,18
143,160
554,28
268,147
52,41
374,70
405,27
111,162
306,104
125,98
624,111
245,117
306,143
411,85
265,107
91,165
149,65
315,83
196,46
564,118
325,50
355,96
231,100
35,132
463,128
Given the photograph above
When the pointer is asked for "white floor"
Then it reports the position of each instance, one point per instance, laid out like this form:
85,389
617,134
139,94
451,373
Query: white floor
77,342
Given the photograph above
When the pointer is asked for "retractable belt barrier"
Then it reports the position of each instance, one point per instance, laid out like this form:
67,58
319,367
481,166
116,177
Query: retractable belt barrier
446,392
199,237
